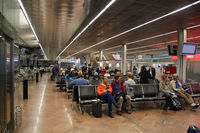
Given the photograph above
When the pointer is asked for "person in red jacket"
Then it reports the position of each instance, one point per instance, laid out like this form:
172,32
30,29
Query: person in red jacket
120,95
104,90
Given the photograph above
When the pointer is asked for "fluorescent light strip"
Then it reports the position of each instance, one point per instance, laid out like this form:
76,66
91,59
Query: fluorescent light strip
147,46
27,18
192,27
106,7
45,57
146,50
139,26
156,44
168,33
161,44
108,48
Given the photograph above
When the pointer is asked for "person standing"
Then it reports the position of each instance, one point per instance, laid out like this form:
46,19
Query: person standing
134,70
56,71
152,71
90,70
144,75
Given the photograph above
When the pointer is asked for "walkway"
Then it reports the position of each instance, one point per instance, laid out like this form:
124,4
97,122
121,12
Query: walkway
48,111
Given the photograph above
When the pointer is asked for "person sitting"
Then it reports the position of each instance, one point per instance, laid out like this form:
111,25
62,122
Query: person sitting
144,75
104,90
95,79
120,95
177,86
86,76
129,81
107,74
166,90
79,81
71,75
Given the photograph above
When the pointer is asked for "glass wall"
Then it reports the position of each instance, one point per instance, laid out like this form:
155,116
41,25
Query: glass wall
9,92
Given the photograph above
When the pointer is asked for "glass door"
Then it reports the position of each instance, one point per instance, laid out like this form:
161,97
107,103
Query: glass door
3,114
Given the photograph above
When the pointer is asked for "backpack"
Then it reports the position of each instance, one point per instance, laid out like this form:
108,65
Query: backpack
193,129
175,103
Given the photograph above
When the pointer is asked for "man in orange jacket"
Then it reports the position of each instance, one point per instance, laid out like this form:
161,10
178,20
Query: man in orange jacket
104,90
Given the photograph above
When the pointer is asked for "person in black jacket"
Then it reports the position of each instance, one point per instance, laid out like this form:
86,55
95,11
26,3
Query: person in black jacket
90,70
152,71
144,75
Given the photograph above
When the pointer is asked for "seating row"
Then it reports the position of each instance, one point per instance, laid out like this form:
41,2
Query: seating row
85,94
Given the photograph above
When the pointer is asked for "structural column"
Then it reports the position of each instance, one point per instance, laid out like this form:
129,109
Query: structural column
124,55
181,59
101,55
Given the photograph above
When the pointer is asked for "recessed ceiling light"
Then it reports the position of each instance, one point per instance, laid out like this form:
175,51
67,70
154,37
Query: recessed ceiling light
139,26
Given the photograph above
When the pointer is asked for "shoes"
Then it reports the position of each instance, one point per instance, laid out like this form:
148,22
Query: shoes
117,106
194,106
110,115
166,107
119,113
128,112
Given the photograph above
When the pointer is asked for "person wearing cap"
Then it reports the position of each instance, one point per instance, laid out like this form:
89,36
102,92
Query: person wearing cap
79,81
177,87
107,74
120,95
104,91
71,74
130,81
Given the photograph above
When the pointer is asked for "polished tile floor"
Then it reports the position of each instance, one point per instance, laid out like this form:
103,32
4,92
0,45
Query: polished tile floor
48,111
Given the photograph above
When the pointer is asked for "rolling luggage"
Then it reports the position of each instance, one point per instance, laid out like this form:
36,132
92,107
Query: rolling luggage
97,108
193,129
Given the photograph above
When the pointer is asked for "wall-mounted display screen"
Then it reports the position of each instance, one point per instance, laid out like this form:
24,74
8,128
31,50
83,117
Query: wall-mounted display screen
189,48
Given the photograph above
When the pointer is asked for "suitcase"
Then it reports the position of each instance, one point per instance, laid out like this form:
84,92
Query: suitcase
193,129
97,108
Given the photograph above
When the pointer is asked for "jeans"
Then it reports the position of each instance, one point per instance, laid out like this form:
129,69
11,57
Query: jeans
168,98
110,99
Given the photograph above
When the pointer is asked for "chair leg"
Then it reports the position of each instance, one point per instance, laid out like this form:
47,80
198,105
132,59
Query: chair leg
72,105
81,110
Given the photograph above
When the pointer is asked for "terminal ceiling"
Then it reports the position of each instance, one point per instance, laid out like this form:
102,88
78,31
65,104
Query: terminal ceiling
57,22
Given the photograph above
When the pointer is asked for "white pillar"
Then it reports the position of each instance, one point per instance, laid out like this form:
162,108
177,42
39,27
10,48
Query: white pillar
100,55
181,59
124,55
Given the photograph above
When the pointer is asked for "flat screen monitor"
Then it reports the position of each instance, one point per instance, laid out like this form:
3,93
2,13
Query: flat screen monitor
189,48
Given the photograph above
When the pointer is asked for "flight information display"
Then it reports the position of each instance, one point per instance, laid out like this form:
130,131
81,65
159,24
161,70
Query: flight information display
189,48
